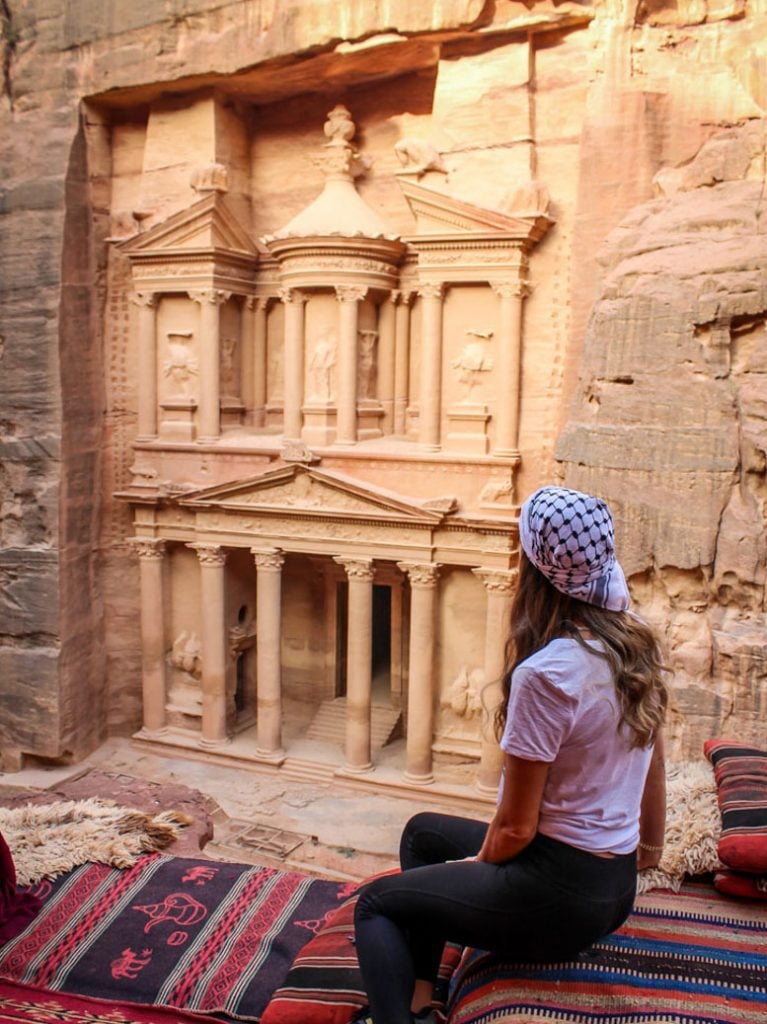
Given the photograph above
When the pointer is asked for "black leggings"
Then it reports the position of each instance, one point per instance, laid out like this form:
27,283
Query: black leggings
548,903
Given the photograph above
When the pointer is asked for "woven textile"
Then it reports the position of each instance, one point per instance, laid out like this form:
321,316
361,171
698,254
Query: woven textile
741,779
23,1004
691,957
325,985
201,935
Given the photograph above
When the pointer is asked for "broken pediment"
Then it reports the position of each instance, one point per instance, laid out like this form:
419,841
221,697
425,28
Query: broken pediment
302,490
208,226
440,214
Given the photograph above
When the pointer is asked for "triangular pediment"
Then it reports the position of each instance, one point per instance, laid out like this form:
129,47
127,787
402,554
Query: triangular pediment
209,225
304,491
438,213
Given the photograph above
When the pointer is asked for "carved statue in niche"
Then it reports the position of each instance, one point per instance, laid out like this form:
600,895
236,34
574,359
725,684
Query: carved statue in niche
417,157
321,367
230,384
180,366
461,705
473,361
366,365
185,654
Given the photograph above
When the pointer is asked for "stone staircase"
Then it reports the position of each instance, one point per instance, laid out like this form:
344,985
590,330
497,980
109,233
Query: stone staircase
329,723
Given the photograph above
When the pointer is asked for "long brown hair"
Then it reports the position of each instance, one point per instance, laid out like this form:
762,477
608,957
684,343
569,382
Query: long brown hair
540,613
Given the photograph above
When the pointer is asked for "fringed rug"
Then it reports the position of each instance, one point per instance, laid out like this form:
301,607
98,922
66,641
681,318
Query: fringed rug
49,839
205,936
692,957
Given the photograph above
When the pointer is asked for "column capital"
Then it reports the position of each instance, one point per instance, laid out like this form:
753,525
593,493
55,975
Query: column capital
148,549
268,558
498,581
350,292
356,568
215,296
511,289
209,554
289,296
146,299
431,290
421,574
258,302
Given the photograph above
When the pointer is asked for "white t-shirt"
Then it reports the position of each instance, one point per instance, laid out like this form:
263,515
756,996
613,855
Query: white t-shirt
563,709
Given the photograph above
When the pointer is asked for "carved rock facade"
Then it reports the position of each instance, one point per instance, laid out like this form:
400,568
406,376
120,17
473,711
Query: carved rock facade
321,366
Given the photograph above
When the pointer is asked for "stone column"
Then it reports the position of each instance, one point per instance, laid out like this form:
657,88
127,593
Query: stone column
359,662
260,308
147,364
151,555
247,331
349,297
431,366
209,410
500,585
420,700
401,360
386,356
293,362
213,635
268,654
512,294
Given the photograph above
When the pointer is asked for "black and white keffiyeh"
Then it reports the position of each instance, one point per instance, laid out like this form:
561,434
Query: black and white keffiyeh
569,537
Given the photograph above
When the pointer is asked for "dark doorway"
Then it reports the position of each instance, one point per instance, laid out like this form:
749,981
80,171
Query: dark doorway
381,644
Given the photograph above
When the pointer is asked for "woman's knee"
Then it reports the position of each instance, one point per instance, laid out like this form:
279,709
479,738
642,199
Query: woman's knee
412,834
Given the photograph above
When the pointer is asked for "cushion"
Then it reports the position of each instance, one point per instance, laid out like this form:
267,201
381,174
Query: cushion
736,883
324,984
740,771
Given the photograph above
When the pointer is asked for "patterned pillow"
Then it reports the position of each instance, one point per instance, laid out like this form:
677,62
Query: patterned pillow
324,984
735,883
741,779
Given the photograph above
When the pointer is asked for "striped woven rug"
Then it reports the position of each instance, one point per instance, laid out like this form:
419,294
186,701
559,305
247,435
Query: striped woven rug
688,958
208,936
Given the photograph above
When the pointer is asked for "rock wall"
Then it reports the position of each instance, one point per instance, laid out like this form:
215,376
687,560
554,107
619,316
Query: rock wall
670,424
644,336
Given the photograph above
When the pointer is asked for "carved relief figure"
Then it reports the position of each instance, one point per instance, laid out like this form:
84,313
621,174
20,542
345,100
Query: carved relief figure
185,654
471,364
321,368
366,365
180,366
229,376
417,157
461,704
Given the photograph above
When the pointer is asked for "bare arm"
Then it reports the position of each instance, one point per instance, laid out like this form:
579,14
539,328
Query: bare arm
516,818
652,820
